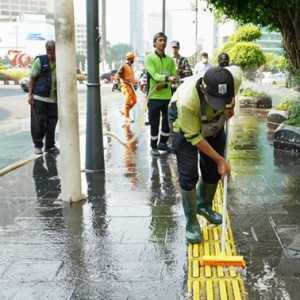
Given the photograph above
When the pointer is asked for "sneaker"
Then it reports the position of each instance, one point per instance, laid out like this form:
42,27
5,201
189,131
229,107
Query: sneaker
52,150
38,151
154,152
163,147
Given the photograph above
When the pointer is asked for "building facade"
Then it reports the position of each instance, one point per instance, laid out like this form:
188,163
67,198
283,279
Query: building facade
271,41
13,8
81,39
137,25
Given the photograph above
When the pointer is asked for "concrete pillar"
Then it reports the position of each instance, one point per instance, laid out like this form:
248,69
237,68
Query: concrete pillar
67,101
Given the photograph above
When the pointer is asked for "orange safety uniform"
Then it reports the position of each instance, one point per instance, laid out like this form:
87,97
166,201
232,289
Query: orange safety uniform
126,76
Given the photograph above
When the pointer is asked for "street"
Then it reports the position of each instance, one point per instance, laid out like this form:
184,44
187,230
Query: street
15,138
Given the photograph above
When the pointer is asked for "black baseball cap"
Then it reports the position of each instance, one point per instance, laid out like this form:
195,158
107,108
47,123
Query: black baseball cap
175,44
218,86
223,59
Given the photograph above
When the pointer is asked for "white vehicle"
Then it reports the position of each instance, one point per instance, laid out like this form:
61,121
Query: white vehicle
273,78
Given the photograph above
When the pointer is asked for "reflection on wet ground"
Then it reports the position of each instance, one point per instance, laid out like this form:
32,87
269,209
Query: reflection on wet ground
265,207
127,240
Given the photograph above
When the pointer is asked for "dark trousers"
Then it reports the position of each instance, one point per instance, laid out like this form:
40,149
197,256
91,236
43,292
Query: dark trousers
43,123
157,108
188,159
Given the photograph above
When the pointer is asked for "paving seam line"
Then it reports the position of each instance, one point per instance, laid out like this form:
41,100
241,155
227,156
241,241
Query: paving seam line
17,164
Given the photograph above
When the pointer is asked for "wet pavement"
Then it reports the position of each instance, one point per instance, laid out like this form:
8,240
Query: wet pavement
265,208
126,241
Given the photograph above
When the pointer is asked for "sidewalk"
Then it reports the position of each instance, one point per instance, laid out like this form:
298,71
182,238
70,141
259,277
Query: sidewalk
127,240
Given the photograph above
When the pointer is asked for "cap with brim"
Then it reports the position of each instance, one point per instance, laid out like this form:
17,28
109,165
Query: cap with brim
175,44
218,87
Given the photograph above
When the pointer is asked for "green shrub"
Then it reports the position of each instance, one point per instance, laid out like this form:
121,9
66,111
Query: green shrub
248,92
287,104
292,106
15,74
246,33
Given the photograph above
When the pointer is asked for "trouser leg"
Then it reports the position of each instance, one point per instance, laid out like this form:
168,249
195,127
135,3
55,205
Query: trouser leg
52,117
154,117
209,181
165,129
187,164
38,118
209,170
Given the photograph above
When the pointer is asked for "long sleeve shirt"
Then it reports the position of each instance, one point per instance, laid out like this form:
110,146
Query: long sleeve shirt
189,111
159,68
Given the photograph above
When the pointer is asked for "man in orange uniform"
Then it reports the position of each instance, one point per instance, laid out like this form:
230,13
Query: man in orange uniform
126,75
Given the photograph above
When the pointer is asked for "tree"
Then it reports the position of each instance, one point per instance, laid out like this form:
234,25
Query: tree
274,14
246,33
119,51
247,55
243,50
275,63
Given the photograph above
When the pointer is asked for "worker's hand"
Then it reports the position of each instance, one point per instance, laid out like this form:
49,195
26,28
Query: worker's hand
223,167
30,99
229,113
173,79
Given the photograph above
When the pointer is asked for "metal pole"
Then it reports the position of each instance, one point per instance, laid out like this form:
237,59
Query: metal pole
164,16
196,29
103,37
67,101
94,160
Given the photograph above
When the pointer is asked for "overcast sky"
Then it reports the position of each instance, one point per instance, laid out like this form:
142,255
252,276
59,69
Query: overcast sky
183,28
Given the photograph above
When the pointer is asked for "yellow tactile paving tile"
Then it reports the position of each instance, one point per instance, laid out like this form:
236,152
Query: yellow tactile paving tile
214,283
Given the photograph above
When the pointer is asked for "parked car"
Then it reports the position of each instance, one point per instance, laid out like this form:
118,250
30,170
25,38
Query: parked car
273,78
107,77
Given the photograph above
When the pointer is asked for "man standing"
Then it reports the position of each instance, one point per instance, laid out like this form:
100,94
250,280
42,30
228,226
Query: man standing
42,98
202,66
161,71
126,75
202,106
182,65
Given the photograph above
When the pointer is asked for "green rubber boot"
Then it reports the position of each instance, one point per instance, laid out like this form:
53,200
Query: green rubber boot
193,230
205,196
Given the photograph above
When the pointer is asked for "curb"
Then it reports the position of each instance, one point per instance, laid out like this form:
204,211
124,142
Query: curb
17,165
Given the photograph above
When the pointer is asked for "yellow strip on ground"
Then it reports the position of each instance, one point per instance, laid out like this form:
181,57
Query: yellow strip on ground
214,283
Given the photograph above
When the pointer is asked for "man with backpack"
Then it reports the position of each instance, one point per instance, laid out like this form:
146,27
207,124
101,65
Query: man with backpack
198,111
42,97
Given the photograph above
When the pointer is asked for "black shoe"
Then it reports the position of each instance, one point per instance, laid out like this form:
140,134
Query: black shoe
163,147
154,152
52,150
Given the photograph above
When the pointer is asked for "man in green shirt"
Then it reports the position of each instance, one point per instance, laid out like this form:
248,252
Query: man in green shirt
201,108
161,72
42,98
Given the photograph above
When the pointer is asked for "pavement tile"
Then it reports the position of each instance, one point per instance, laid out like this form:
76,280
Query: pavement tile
32,271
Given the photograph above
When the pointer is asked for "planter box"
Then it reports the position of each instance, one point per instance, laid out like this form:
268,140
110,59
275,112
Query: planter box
256,102
277,116
287,138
